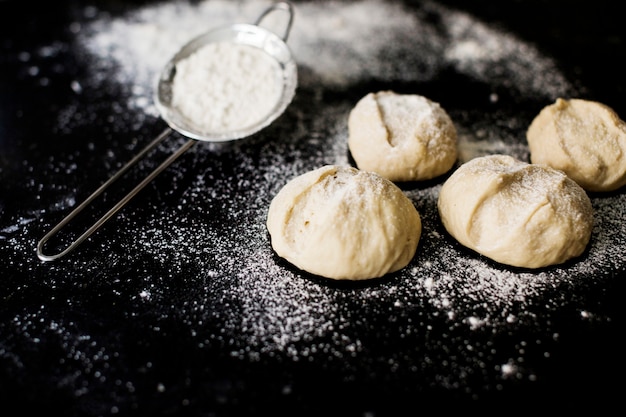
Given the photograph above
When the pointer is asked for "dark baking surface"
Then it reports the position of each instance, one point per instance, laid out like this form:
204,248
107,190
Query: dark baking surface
76,340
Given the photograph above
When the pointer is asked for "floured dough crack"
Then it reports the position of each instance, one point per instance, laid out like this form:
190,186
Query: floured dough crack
403,137
343,223
515,213
584,139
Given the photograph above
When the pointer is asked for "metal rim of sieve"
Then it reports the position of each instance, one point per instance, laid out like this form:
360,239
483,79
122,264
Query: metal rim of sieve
241,34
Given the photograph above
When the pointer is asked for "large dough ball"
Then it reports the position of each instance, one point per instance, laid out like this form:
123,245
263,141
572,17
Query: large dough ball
343,223
403,137
584,139
516,213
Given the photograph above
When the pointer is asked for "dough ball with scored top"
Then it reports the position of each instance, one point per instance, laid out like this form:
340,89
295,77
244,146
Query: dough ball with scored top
343,223
403,137
584,139
515,213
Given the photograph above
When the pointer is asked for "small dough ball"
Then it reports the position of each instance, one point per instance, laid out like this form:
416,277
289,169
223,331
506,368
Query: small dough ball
343,223
584,139
403,137
516,213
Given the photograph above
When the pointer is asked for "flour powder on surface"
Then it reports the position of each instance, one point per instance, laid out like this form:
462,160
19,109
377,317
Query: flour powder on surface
336,44
234,279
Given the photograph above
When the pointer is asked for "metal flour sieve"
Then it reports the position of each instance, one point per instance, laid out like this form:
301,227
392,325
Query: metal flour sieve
253,35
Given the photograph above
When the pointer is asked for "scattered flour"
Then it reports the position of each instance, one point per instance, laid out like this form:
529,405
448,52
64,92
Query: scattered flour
337,45
215,243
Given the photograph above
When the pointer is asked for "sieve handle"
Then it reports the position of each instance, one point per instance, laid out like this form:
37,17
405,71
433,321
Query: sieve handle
285,6
119,205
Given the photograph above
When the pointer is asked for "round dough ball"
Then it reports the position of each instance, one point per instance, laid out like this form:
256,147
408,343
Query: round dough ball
403,137
343,223
516,213
584,139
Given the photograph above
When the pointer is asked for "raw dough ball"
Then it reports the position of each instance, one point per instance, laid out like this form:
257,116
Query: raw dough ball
343,223
584,139
403,137
516,213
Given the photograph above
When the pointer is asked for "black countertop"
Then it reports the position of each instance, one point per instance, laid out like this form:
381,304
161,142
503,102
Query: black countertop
177,305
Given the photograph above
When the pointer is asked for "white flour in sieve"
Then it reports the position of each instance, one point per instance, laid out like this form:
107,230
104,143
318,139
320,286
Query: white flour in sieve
226,86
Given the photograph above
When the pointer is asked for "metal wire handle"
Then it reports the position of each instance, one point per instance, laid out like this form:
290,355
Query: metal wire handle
119,205
285,6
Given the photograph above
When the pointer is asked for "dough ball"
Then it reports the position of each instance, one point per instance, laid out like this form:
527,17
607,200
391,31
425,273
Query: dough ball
403,137
584,139
343,223
516,213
